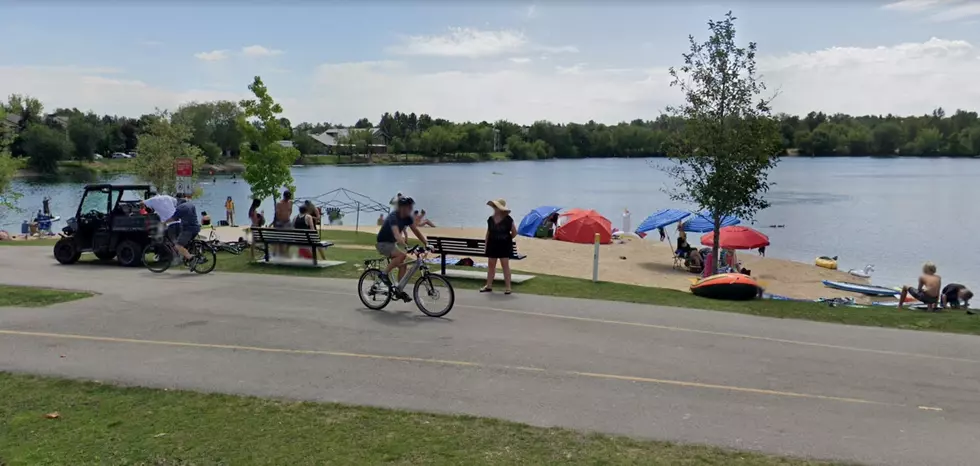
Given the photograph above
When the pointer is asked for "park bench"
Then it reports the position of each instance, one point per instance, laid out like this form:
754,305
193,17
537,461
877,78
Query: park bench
463,247
288,237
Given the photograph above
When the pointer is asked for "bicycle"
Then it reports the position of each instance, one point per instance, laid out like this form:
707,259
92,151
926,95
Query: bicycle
159,255
378,295
236,247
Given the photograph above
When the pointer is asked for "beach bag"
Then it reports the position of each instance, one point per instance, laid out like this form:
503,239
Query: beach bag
465,262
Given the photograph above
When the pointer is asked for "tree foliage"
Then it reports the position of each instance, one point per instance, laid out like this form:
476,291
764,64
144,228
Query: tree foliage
266,161
729,141
85,137
45,148
163,141
8,169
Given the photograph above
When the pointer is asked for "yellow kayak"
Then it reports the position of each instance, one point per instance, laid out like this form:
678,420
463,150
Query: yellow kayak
826,262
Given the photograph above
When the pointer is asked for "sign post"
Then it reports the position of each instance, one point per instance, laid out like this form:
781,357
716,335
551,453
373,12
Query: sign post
185,176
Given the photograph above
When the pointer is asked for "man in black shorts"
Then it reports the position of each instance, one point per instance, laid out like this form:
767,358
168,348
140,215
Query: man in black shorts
392,234
955,295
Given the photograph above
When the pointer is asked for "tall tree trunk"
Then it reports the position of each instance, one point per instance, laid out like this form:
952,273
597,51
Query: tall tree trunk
716,243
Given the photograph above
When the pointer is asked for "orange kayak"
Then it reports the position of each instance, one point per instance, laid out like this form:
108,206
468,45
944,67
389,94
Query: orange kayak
730,286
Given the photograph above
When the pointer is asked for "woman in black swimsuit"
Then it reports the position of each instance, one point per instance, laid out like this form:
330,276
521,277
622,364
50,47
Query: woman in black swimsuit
501,232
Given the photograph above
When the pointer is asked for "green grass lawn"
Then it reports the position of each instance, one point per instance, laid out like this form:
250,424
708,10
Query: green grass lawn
23,296
104,424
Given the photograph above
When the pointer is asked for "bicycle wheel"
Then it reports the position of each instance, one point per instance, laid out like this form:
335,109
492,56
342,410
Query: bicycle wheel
157,257
200,249
376,296
437,297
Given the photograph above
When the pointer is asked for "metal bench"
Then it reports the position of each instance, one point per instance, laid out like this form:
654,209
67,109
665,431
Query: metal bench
304,238
463,247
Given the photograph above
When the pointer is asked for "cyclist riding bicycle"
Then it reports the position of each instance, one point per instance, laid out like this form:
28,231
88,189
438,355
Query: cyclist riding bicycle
392,235
186,214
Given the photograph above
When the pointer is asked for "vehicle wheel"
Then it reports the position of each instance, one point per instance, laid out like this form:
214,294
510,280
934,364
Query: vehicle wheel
157,257
434,295
207,253
372,291
128,253
106,255
65,251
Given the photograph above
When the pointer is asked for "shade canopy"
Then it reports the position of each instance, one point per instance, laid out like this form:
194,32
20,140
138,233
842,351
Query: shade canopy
703,222
582,227
533,220
662,218
736,237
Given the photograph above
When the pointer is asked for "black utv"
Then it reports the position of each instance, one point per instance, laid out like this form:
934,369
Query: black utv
108,223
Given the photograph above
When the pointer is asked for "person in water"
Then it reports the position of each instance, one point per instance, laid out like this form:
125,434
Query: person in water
955,295
928,289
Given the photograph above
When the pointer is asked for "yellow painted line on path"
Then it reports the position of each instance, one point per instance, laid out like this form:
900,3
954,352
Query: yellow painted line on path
445,362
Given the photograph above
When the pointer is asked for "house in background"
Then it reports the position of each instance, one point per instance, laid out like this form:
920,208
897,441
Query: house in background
349,140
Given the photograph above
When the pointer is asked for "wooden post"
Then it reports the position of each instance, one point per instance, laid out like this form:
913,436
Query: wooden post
595,261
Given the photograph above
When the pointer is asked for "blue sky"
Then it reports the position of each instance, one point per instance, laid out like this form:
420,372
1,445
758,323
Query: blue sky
481,60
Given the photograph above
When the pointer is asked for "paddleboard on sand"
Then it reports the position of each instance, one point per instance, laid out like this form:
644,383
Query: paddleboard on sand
869,290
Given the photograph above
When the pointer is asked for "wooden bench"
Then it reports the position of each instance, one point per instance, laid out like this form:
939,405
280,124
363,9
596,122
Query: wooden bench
289,237
463,247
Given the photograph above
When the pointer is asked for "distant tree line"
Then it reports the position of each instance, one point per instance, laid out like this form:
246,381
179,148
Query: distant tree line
45,139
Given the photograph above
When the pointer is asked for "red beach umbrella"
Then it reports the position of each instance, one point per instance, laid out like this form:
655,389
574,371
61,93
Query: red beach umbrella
737,237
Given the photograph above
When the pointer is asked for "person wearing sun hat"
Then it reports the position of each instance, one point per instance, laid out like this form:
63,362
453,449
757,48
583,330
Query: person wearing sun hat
501,232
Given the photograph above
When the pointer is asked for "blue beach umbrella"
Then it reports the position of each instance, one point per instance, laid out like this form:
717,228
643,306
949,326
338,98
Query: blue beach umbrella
661,218
703,223
529,225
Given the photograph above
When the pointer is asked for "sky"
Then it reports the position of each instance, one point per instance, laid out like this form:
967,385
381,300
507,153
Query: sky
522,61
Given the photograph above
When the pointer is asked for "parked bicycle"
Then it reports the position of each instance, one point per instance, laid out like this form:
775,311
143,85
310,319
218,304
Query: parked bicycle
231,247
430,288
161,253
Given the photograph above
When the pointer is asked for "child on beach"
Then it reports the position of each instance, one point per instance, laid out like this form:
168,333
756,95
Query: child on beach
928,289
230,211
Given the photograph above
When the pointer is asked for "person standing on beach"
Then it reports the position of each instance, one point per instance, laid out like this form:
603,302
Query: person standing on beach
284,211
230,211
501,232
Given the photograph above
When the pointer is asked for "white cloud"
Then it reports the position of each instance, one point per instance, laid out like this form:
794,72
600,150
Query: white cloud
942,10
520,59
103,90
473,43
910,78
259,51
214,55
151,43
531,11
463,42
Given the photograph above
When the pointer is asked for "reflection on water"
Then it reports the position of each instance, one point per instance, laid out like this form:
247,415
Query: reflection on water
894,213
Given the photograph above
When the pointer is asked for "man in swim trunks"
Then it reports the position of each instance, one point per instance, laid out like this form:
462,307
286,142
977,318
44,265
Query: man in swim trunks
928,289
955,295
283,217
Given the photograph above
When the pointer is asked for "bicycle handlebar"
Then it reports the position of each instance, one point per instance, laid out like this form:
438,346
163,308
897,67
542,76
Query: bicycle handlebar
418,249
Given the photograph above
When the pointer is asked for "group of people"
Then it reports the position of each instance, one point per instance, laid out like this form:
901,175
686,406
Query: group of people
392,240
931,292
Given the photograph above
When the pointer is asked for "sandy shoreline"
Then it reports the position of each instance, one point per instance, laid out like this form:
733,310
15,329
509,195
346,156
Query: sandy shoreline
649,262
634,261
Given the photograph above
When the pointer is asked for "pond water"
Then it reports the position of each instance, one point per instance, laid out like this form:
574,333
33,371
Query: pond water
894,213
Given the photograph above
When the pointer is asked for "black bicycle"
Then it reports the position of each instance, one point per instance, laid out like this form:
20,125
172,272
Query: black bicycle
161,253
429,290
231,247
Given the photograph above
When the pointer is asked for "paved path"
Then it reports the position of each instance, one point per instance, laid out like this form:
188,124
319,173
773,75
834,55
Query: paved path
876,396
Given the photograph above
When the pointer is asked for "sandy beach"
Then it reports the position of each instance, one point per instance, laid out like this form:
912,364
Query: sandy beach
634,261
648,262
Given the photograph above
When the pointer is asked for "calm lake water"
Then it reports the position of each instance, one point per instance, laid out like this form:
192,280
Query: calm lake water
894,213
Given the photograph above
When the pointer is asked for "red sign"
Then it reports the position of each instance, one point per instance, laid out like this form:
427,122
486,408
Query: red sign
185,167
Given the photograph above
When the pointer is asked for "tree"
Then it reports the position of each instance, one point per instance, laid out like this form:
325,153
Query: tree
723,154
163,142
8,168
85,138
45,147
267,165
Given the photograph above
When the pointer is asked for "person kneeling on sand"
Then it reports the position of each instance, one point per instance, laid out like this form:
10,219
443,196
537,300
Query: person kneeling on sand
955,295
928,289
